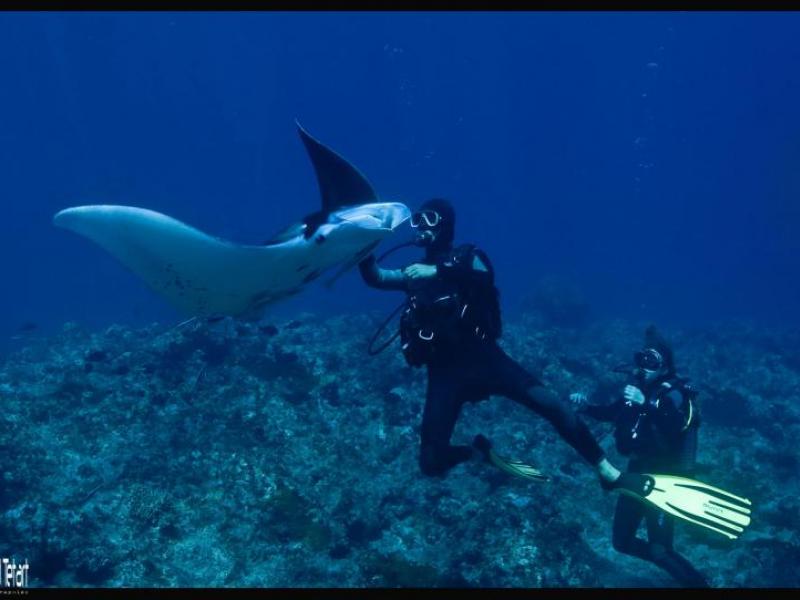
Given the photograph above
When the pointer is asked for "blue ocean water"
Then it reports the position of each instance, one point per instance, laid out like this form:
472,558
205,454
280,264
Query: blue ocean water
644,165
648,159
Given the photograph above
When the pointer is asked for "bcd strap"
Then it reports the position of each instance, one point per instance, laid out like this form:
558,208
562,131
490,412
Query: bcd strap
688,393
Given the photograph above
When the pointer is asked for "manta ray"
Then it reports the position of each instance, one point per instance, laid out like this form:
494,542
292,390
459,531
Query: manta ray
204,276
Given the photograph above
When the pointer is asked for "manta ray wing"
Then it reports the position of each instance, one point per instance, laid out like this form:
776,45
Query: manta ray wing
204,275
199,274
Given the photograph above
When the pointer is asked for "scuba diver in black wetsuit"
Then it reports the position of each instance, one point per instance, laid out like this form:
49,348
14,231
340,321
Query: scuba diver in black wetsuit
656,424
451,324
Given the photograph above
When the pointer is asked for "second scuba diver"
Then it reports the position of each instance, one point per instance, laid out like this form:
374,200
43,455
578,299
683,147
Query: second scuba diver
656,423
451,324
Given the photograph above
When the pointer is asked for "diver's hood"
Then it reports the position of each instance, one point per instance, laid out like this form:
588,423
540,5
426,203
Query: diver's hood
446,230
654,339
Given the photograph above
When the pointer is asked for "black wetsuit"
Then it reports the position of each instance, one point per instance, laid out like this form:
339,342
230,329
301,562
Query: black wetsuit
660,436
469,368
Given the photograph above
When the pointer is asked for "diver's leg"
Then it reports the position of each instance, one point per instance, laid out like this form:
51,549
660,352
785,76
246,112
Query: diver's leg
628,514
510,379
568,425
442,406
660,533
687,456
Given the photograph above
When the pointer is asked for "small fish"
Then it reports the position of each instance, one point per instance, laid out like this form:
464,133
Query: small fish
24,330
268,330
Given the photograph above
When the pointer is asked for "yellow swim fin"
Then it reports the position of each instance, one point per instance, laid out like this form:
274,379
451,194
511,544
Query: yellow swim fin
690,500
518,469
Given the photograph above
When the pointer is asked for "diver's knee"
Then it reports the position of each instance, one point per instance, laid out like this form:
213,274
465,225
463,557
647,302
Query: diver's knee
432,468
431,462
658,551
622,544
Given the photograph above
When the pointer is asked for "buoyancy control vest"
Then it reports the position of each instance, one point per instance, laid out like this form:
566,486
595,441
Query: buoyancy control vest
642,430
442,317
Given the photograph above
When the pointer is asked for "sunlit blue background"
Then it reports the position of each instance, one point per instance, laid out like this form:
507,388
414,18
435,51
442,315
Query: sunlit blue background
652,160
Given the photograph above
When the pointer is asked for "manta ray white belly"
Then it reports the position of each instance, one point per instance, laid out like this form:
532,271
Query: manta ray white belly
203,275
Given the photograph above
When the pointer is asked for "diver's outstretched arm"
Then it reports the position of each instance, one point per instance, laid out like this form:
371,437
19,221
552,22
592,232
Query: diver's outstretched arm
382,279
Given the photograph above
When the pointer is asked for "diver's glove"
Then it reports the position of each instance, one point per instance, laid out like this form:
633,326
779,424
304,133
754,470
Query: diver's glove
420,271
633,394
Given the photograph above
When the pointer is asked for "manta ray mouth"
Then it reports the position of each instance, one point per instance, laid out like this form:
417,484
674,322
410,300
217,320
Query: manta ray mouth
365,221
396,216
386,216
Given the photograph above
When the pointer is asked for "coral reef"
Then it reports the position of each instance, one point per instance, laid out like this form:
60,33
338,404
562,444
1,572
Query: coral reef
261,455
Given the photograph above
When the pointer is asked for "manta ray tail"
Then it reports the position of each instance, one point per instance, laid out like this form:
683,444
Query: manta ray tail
340,183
